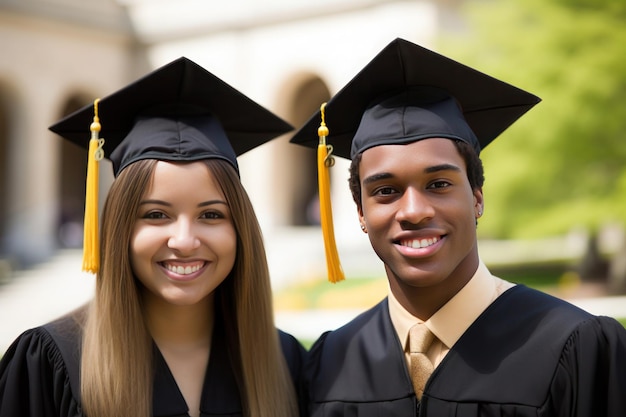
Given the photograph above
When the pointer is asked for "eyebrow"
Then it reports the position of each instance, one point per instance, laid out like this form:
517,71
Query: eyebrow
442,167
377,177
165,203
428,170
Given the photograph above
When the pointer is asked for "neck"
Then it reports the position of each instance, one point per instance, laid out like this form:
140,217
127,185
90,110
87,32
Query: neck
424,301
183,326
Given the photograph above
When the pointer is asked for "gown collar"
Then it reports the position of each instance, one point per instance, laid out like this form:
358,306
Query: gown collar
220,393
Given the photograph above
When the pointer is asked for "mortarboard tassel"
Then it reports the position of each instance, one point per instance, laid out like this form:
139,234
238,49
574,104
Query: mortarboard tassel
91,250
325,160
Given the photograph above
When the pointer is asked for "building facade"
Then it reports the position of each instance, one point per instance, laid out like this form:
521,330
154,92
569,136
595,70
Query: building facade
59,55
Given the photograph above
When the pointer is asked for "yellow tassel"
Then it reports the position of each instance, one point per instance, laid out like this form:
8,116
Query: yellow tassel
325,160
91,249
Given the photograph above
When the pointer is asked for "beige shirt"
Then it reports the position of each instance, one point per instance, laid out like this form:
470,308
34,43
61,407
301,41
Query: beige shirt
455,317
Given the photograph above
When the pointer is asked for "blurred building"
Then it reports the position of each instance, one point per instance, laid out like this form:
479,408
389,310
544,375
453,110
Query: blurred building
58,55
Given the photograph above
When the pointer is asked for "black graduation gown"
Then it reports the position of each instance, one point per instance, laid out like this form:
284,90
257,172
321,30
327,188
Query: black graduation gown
528,354
39,376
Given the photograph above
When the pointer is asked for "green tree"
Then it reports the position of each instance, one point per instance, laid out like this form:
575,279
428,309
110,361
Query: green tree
563,165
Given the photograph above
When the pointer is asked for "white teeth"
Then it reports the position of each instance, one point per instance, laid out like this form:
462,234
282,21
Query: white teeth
420,243
181,270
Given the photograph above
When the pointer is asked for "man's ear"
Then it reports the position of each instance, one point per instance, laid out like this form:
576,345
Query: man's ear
479,203
359,210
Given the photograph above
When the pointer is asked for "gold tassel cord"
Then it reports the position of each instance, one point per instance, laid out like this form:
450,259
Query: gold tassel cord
91,249
325,160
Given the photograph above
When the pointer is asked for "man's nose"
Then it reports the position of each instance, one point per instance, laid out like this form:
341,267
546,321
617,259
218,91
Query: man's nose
414,207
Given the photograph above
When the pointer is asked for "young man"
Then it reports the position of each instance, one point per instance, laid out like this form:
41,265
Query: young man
413,122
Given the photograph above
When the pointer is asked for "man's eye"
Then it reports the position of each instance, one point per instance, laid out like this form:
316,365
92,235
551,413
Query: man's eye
384,191
439,184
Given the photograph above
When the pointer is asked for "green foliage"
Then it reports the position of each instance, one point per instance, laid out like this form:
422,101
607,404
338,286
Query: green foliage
563,164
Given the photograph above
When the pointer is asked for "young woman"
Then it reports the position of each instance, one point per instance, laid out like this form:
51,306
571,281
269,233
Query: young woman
182,322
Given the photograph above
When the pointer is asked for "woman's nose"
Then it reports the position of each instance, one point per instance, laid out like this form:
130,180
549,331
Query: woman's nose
184,237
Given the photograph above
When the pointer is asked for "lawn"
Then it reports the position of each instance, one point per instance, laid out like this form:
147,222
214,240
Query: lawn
362,293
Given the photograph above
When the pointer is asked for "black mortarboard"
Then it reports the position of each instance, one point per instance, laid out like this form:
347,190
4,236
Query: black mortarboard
408,93
179,112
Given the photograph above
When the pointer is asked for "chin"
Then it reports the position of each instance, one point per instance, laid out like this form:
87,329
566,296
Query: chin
420,277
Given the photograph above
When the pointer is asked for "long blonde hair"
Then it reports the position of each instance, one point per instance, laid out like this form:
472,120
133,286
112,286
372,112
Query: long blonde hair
116,365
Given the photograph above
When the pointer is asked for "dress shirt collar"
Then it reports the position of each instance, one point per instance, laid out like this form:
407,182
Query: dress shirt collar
455,317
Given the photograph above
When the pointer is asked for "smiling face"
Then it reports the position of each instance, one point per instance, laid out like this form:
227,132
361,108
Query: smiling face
420,213
183,243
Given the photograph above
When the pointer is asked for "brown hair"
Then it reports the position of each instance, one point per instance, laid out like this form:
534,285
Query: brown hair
116,365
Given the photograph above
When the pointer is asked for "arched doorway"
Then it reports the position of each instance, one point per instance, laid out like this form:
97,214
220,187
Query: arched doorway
73,168
307,97
4,173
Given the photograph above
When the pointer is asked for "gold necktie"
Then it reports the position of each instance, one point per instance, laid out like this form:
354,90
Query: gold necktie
420,339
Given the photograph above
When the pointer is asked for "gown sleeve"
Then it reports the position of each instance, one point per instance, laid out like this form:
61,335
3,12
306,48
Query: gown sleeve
295,355
591,379
34,381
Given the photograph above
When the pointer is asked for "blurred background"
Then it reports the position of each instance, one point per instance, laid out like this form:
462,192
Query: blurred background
555,189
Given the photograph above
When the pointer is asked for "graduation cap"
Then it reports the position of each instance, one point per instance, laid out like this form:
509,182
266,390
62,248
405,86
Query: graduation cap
179,112
408,93
407,76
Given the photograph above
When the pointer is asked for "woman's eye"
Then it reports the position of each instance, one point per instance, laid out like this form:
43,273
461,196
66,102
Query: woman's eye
154,215
211,215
